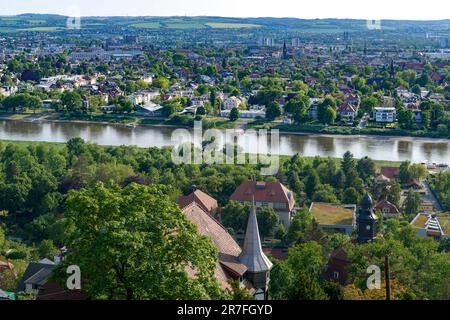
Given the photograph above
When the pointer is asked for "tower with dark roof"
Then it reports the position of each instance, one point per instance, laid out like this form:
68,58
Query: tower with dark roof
367,221
285,53
253,257
392,71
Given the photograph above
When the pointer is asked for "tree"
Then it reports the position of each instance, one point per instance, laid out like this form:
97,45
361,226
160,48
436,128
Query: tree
394,194
412,203
312,183
273,111
366,168
300,274
351,196
368,104
134,243
405,118
234,114
47,249
348,163
326,111
72,101
329,116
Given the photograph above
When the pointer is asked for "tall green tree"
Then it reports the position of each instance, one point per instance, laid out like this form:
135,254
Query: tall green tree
134,243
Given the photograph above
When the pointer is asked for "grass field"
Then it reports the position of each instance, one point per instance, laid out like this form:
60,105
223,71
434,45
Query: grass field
42,29
146,25
232,25
184,25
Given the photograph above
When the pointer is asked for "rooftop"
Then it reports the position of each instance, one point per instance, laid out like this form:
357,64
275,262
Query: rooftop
333,214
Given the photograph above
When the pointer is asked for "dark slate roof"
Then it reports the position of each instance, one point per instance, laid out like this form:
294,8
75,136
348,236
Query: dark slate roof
36,273
252,255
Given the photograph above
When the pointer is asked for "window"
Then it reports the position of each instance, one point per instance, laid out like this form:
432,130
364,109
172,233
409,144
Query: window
336,275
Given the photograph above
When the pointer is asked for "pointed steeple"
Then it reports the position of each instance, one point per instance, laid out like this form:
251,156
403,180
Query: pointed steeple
285,52
252,255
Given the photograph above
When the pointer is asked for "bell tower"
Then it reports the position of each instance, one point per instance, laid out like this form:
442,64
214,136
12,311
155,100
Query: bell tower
367,221
253,257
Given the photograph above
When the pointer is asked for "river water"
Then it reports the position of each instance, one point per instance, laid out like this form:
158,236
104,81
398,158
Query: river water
376,147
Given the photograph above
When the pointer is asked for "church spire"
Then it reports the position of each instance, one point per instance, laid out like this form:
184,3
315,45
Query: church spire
252,255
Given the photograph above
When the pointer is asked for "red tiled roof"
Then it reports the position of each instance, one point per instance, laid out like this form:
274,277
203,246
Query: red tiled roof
277,253
206,202
52,291
229,250
383,204
264,192
390,172
346,107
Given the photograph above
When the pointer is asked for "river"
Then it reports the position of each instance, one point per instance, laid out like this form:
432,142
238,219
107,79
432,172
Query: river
376,147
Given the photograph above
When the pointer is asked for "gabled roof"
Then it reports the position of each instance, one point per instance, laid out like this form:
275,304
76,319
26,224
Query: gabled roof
252,254
390,172
36,273
205,201
264,192
229,250
52,291
386,204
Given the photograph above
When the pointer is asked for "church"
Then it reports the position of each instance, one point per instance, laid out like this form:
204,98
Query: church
249,265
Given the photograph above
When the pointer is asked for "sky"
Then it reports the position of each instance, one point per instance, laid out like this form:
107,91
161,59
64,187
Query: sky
306,9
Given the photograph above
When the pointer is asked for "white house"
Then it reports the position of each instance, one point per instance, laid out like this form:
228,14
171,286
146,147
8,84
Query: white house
384,115
231,102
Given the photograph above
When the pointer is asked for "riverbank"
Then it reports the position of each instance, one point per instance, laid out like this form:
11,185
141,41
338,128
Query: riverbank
181,121
346,131
283,158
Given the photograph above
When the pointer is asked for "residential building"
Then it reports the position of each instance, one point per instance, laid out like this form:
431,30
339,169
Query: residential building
267,195
347,111
334,217
205,201
35,276
231,102
432,225
337,267
149,110
388,209
384,115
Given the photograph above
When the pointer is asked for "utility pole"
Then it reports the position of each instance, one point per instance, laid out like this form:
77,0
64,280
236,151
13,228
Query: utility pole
387,278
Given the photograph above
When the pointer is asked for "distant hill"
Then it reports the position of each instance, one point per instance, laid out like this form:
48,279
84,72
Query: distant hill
52,22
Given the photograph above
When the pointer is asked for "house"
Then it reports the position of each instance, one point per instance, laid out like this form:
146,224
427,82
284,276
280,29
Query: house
384,115
267,195
337,267
149,110
347,111
312,110
248,265
205,201
35,276
51,291
426,206
431,225
231,102
388,209
392,173
246,114
334,217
